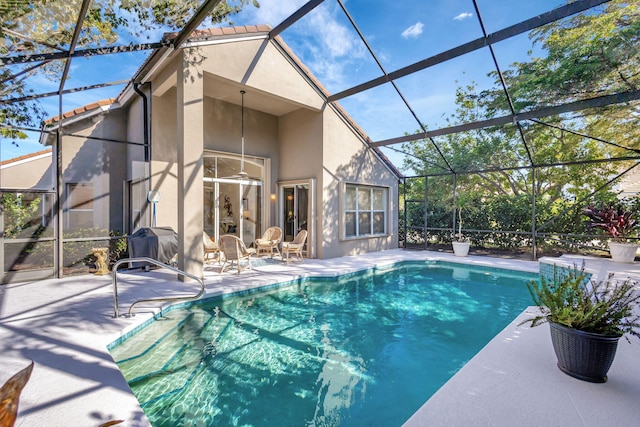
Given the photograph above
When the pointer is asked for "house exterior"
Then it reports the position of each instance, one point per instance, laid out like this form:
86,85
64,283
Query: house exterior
224,161
31,171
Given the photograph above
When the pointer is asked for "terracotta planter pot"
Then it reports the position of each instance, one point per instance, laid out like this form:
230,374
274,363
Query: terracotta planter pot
622,252
583,355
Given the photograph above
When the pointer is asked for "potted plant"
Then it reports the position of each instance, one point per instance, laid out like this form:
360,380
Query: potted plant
460,242
586,319
619,224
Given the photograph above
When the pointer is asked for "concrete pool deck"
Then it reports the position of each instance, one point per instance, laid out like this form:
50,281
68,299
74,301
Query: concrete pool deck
65,325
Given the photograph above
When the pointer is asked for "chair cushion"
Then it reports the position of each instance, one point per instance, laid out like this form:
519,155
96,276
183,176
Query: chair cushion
289,245
263,242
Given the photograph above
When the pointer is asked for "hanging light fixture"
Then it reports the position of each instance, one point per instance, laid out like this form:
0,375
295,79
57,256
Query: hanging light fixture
242,174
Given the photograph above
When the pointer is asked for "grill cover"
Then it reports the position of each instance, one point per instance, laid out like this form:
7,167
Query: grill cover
159,243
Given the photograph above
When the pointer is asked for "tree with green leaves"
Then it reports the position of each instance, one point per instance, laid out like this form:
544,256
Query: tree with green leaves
18,213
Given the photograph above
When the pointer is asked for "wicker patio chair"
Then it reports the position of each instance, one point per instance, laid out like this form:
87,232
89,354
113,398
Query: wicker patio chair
211,248
295,246
234,250
269,241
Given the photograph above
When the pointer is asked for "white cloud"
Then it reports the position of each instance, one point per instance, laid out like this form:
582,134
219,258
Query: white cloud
330,49
335,37
463,15
413,31
272,12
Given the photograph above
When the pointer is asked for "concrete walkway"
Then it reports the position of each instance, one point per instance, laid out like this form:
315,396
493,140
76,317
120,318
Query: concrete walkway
64,326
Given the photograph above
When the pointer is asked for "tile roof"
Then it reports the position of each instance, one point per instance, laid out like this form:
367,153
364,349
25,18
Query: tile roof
222,31
25,157
80,110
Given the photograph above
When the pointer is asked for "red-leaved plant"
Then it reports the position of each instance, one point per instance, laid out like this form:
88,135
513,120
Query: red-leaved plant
616,221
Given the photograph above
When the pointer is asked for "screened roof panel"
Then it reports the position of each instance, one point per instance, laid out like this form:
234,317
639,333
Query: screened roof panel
39,27
19,140
426,158
74,100
331,48
479,150
499,14
403,35
135,22
384,112
585,136
519,48
432,91
94,70
270,12
29,75
576,58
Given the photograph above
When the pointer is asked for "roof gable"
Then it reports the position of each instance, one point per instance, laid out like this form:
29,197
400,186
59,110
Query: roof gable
308,90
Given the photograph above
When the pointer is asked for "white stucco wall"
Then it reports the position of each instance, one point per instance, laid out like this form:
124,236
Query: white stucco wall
300,155
308,140
164,158
347,160
135,133
101,163
258,64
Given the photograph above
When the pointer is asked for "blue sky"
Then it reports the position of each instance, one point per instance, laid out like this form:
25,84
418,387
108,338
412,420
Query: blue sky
400,33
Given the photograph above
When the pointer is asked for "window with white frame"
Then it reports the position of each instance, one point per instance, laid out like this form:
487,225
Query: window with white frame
365,210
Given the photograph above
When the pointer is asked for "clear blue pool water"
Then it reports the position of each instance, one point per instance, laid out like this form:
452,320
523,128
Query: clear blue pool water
367,349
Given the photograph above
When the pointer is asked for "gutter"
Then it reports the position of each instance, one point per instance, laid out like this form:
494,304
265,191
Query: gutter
145,117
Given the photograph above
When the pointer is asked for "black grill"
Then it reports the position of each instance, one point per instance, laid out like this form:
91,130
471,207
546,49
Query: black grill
159,243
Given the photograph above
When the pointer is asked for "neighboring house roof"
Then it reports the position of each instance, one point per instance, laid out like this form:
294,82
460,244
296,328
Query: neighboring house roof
25,158
221,34
33,171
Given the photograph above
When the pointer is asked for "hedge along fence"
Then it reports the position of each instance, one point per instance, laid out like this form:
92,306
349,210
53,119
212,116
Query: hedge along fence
505,221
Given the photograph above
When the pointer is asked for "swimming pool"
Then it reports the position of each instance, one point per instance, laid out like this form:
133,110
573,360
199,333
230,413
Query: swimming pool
364,349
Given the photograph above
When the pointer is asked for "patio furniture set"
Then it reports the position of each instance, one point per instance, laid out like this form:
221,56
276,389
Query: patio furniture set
231,249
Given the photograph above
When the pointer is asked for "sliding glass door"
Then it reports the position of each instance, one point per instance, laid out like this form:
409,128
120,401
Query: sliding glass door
297,211
233,203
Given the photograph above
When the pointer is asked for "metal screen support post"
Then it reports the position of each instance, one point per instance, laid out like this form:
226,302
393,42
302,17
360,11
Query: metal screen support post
534,251
426,210
455,205
404,192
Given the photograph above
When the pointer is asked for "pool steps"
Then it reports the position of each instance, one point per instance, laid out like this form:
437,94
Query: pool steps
209,350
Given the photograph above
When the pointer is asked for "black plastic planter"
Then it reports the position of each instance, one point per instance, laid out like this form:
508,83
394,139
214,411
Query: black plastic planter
583,355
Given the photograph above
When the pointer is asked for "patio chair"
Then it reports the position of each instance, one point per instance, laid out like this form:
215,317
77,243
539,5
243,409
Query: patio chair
210,247
295,246
269,241
234,250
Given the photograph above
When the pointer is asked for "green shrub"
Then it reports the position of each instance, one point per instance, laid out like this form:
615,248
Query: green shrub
607,307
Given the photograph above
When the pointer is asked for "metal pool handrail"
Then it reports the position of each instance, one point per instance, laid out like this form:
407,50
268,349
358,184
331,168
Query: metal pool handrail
159,264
